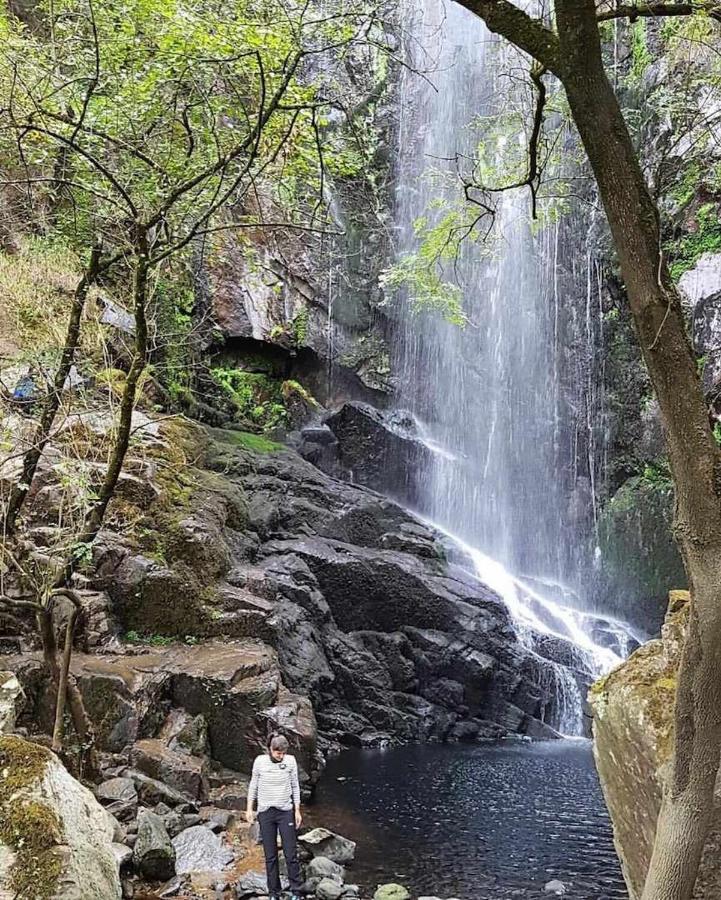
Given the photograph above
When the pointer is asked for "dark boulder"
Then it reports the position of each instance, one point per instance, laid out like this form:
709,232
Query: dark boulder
380,450
153,853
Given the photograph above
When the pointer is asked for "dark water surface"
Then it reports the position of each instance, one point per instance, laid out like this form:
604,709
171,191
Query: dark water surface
477,823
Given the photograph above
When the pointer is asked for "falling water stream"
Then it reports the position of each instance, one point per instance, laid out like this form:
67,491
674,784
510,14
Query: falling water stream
487,396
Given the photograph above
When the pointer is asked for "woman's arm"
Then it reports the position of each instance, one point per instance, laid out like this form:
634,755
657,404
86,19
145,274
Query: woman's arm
252,791
295,788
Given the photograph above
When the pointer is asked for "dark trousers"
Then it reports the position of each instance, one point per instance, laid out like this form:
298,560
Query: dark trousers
271,822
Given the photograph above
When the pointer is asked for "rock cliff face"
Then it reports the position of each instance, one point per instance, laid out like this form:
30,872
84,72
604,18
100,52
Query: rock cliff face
315,300
633,730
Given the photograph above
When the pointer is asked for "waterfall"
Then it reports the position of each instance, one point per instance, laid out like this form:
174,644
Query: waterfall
488,396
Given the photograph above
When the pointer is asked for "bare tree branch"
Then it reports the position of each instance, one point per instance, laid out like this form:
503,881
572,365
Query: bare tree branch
527,33
654,10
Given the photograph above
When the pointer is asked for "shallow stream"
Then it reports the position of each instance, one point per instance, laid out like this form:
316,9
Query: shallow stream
474,822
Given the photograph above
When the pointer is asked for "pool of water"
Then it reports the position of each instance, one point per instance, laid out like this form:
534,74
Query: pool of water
474,822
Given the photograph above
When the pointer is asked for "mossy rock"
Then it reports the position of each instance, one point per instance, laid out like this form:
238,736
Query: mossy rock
633,725
60,836
246,440
391,892
167,601
640,556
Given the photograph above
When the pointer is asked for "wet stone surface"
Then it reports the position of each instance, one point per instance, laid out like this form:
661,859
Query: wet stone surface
476,823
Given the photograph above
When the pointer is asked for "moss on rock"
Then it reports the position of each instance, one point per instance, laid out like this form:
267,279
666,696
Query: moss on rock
30,828
255,443
640,556
633,725
21,763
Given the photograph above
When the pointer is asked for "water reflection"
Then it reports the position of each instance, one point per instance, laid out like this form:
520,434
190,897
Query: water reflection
478,823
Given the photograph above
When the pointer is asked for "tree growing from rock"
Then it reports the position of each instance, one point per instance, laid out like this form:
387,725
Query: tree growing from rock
567,45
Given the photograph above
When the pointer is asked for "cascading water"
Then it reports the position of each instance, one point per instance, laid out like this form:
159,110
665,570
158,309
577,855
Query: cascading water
487,396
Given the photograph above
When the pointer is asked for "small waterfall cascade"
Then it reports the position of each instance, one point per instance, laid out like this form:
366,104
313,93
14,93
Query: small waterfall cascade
487,397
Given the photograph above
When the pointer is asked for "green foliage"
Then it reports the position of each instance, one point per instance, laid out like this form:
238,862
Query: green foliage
256,398
300,326
292,391
612,315
682,35
686,250
82,553
421,276
169,112
641,57
657,474
717,432
294,331
256,443
260,399
687,187
173,303
151,640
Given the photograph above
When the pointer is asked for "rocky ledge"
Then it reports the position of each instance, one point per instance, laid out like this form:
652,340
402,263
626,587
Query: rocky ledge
350,599
633,730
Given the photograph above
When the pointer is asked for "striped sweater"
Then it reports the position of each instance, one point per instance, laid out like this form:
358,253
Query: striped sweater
274,784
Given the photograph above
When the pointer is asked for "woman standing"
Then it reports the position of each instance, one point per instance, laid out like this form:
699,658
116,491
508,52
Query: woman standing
275,789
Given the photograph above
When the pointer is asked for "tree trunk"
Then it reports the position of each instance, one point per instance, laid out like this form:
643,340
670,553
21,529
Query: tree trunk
694,455
62,687
574,56
94,518
52,401
81,721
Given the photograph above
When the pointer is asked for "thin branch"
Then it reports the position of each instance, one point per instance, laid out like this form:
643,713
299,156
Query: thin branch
527,33
654,10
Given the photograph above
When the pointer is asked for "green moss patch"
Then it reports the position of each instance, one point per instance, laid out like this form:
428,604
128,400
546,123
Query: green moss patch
30,828
246,440
705,237
33,832
21,763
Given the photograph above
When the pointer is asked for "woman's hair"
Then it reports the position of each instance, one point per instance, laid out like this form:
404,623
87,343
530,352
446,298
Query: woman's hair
278,742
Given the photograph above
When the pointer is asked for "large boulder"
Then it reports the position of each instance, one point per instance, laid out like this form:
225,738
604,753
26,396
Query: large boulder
329,845
633,729
56,841
153,853
187,774
199,849
322,867
380,450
